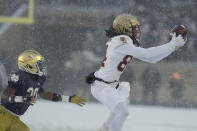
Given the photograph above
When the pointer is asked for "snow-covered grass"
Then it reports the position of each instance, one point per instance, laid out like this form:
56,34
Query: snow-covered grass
51,116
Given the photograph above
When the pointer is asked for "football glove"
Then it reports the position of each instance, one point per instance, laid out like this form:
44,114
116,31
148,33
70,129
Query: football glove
178,41
77,99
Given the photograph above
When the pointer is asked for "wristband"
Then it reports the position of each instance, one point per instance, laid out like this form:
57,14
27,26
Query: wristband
66,98
55,97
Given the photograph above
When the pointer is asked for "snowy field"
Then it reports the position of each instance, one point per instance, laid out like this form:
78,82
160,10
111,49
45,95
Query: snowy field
51,116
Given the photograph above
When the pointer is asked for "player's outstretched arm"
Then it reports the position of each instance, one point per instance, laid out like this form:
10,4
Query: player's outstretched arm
153,54
76,98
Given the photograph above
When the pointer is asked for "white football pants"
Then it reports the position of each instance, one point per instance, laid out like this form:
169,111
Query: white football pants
116,100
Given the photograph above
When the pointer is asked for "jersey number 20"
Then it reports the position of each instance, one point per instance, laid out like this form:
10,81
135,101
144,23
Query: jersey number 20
33,92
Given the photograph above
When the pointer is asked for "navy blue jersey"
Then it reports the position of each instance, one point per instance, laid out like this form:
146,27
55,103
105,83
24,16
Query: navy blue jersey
25,84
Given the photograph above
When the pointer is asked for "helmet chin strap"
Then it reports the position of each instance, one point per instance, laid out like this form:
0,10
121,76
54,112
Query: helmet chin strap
40,73
135,41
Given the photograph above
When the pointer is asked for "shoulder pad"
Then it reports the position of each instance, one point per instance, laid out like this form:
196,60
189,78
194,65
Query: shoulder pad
124,39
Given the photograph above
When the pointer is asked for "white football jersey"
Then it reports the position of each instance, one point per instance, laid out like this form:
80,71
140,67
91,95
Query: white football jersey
119,52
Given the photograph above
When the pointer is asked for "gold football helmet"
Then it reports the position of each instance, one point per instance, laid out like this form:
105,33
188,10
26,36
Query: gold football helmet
32,62
128,25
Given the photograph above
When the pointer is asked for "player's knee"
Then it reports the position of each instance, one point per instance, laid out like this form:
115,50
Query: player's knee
19,127
122,109
26,128
125,112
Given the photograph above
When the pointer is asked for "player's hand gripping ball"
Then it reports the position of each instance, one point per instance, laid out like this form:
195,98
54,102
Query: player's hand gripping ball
179,30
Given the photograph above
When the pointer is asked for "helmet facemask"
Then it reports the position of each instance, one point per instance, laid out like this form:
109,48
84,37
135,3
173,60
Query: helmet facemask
136,32
42,67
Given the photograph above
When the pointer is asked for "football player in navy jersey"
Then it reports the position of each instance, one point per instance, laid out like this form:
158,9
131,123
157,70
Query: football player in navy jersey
23,87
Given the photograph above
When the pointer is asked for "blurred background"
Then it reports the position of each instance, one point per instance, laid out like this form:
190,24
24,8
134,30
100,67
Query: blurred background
70,34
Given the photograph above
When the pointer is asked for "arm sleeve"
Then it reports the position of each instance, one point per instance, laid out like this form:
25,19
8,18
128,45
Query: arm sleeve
151,55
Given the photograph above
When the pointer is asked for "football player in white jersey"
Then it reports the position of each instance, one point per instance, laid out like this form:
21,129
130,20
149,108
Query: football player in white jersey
122,47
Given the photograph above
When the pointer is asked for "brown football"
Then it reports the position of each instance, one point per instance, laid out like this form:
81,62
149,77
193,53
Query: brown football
180,30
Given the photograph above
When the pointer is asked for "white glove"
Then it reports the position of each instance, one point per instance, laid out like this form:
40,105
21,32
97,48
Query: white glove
177,41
